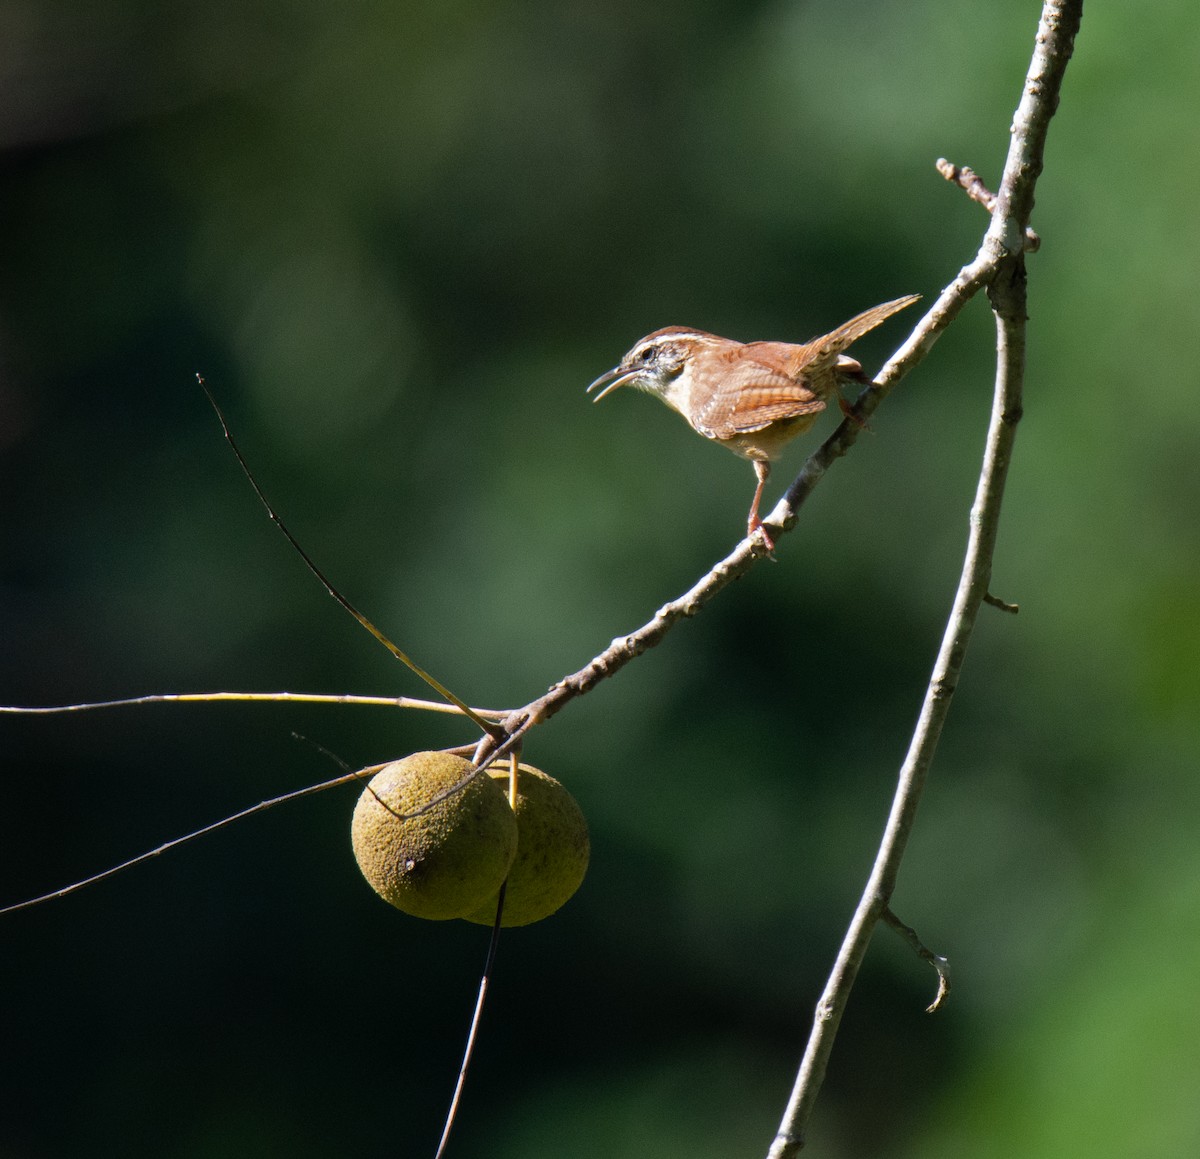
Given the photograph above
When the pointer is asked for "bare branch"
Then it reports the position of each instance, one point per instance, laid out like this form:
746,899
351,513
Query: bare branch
1001,266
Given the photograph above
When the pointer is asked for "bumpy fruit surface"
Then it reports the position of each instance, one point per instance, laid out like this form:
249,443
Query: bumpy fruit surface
443,863
552,850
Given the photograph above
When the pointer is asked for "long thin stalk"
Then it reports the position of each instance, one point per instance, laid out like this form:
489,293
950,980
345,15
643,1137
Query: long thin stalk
1002,253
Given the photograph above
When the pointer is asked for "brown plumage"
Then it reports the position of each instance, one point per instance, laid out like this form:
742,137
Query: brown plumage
752,397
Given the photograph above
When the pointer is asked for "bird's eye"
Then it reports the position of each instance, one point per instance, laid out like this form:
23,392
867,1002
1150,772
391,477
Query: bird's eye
647,354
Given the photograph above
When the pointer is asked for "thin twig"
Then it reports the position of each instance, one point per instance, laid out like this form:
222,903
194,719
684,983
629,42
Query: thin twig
484,980
1002,605
261,807
972,184
476,1017
481,761
1002,260
327,584
412,702
940,964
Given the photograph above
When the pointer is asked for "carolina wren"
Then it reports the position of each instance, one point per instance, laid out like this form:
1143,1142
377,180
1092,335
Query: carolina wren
752,397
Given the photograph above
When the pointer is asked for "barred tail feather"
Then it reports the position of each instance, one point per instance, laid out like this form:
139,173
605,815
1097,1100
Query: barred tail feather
828,347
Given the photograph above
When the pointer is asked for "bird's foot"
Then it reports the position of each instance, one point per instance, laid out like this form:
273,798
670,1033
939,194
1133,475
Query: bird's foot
756,525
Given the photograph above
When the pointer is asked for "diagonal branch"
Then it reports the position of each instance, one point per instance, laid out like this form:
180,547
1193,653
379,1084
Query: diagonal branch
749,551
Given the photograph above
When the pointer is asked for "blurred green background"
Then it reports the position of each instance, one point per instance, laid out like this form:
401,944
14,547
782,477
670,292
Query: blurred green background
399,240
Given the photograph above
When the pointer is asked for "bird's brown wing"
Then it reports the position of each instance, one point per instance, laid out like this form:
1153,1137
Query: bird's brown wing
752,396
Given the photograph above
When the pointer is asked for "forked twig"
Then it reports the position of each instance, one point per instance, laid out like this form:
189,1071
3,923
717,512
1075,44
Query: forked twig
972,185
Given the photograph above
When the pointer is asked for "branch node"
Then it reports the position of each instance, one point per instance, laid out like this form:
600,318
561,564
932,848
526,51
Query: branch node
972,185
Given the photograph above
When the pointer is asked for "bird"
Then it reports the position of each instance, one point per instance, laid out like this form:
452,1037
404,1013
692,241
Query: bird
752,397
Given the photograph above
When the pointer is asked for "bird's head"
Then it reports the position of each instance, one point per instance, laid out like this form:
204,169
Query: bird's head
655,364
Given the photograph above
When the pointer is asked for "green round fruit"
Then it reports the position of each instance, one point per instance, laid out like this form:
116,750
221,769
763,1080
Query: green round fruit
552,850
442,863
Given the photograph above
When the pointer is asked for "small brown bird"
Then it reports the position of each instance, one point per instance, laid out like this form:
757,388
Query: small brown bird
752,397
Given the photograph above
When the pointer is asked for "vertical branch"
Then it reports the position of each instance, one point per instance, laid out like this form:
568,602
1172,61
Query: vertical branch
1002,249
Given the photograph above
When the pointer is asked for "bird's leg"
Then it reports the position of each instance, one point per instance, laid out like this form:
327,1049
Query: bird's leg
848,411
849,371
762,469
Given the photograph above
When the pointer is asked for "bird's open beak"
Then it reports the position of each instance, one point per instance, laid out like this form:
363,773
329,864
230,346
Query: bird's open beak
613,378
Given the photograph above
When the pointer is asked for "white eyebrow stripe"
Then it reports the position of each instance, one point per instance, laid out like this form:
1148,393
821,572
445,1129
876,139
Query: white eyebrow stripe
659,339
